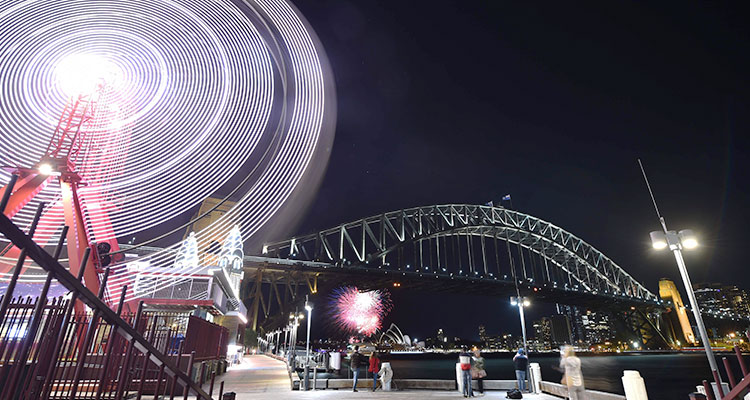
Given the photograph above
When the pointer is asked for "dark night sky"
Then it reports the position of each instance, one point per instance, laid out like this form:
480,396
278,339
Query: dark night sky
466,101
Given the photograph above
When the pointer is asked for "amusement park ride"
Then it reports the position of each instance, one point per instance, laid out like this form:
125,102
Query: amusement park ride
118,118
66,160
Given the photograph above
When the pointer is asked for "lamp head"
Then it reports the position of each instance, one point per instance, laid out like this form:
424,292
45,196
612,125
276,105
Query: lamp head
658,240
688,239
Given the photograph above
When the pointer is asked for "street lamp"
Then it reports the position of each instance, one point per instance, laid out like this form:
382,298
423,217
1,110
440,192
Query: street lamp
676,241
309,308
522,302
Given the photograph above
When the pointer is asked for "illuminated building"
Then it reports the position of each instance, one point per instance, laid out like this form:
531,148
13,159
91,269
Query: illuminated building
483,335
543,332
715,298
679,317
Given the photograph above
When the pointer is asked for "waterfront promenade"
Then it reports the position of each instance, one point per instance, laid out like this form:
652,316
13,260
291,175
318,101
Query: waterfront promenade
261,377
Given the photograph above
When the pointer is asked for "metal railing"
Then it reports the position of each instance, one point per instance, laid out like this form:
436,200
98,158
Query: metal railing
737,390
49,351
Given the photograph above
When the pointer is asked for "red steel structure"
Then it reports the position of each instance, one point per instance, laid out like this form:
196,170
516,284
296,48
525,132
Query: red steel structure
67,153
48,351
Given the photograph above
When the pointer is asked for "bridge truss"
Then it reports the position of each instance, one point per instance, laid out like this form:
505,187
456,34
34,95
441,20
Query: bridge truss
478,243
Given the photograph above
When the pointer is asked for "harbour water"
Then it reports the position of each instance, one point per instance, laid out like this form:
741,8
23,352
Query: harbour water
667,376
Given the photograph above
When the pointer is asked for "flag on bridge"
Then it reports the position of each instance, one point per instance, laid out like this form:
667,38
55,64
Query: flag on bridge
506,197
489,204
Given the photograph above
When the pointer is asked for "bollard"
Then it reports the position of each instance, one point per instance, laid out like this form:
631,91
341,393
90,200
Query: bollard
459,378
535,378
386,375
635,387
334,362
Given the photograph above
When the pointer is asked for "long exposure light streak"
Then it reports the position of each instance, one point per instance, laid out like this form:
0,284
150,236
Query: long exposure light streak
205,90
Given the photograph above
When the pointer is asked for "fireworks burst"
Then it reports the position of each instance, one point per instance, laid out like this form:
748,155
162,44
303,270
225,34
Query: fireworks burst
359,312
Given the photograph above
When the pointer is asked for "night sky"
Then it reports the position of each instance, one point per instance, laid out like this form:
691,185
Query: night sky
443,102
465,101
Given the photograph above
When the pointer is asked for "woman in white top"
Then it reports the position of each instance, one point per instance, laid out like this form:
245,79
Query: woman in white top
573,376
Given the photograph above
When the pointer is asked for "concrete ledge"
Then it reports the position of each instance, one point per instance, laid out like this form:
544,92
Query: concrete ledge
431,384
554,389
559,390
497,384
398,384
426,384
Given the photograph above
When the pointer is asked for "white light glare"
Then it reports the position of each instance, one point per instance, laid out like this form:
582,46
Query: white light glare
658,240
690,243
46,169
526,303
688,239
81,74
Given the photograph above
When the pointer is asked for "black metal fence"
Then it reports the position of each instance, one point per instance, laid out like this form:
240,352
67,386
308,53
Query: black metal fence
49,351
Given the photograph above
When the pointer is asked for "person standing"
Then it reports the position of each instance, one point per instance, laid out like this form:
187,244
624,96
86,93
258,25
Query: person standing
374,368
478,372
573,377
354,363
464,359
521,363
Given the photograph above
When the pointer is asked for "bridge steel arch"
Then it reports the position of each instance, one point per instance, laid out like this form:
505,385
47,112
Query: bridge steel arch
473,242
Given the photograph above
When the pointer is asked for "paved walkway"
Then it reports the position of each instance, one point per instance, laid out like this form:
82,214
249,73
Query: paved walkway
261,377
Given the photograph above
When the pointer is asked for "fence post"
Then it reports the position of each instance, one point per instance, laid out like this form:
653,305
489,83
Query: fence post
47,386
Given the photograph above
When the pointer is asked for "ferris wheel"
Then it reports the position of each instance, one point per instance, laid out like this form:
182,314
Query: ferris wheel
120,116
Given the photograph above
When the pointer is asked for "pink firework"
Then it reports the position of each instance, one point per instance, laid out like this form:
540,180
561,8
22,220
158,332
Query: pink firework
359,312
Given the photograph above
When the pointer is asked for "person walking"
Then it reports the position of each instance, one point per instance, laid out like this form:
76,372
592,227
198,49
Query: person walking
573,377
521,363
354,363
374,368
464,358
478,372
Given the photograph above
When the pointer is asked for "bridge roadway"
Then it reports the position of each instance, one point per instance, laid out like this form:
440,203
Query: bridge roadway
260,377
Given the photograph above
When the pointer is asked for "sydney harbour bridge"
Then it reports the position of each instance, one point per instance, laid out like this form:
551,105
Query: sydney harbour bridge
453,248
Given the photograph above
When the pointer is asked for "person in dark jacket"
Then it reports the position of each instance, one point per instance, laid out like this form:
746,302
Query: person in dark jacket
521,362
374,368
354,363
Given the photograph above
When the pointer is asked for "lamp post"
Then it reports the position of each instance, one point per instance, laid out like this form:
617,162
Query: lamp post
308,307
676,241
522,302
293,326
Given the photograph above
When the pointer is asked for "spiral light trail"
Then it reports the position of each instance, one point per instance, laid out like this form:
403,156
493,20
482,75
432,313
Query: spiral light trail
199,93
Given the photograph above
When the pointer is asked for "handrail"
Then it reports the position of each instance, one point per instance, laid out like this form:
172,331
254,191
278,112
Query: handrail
49,264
